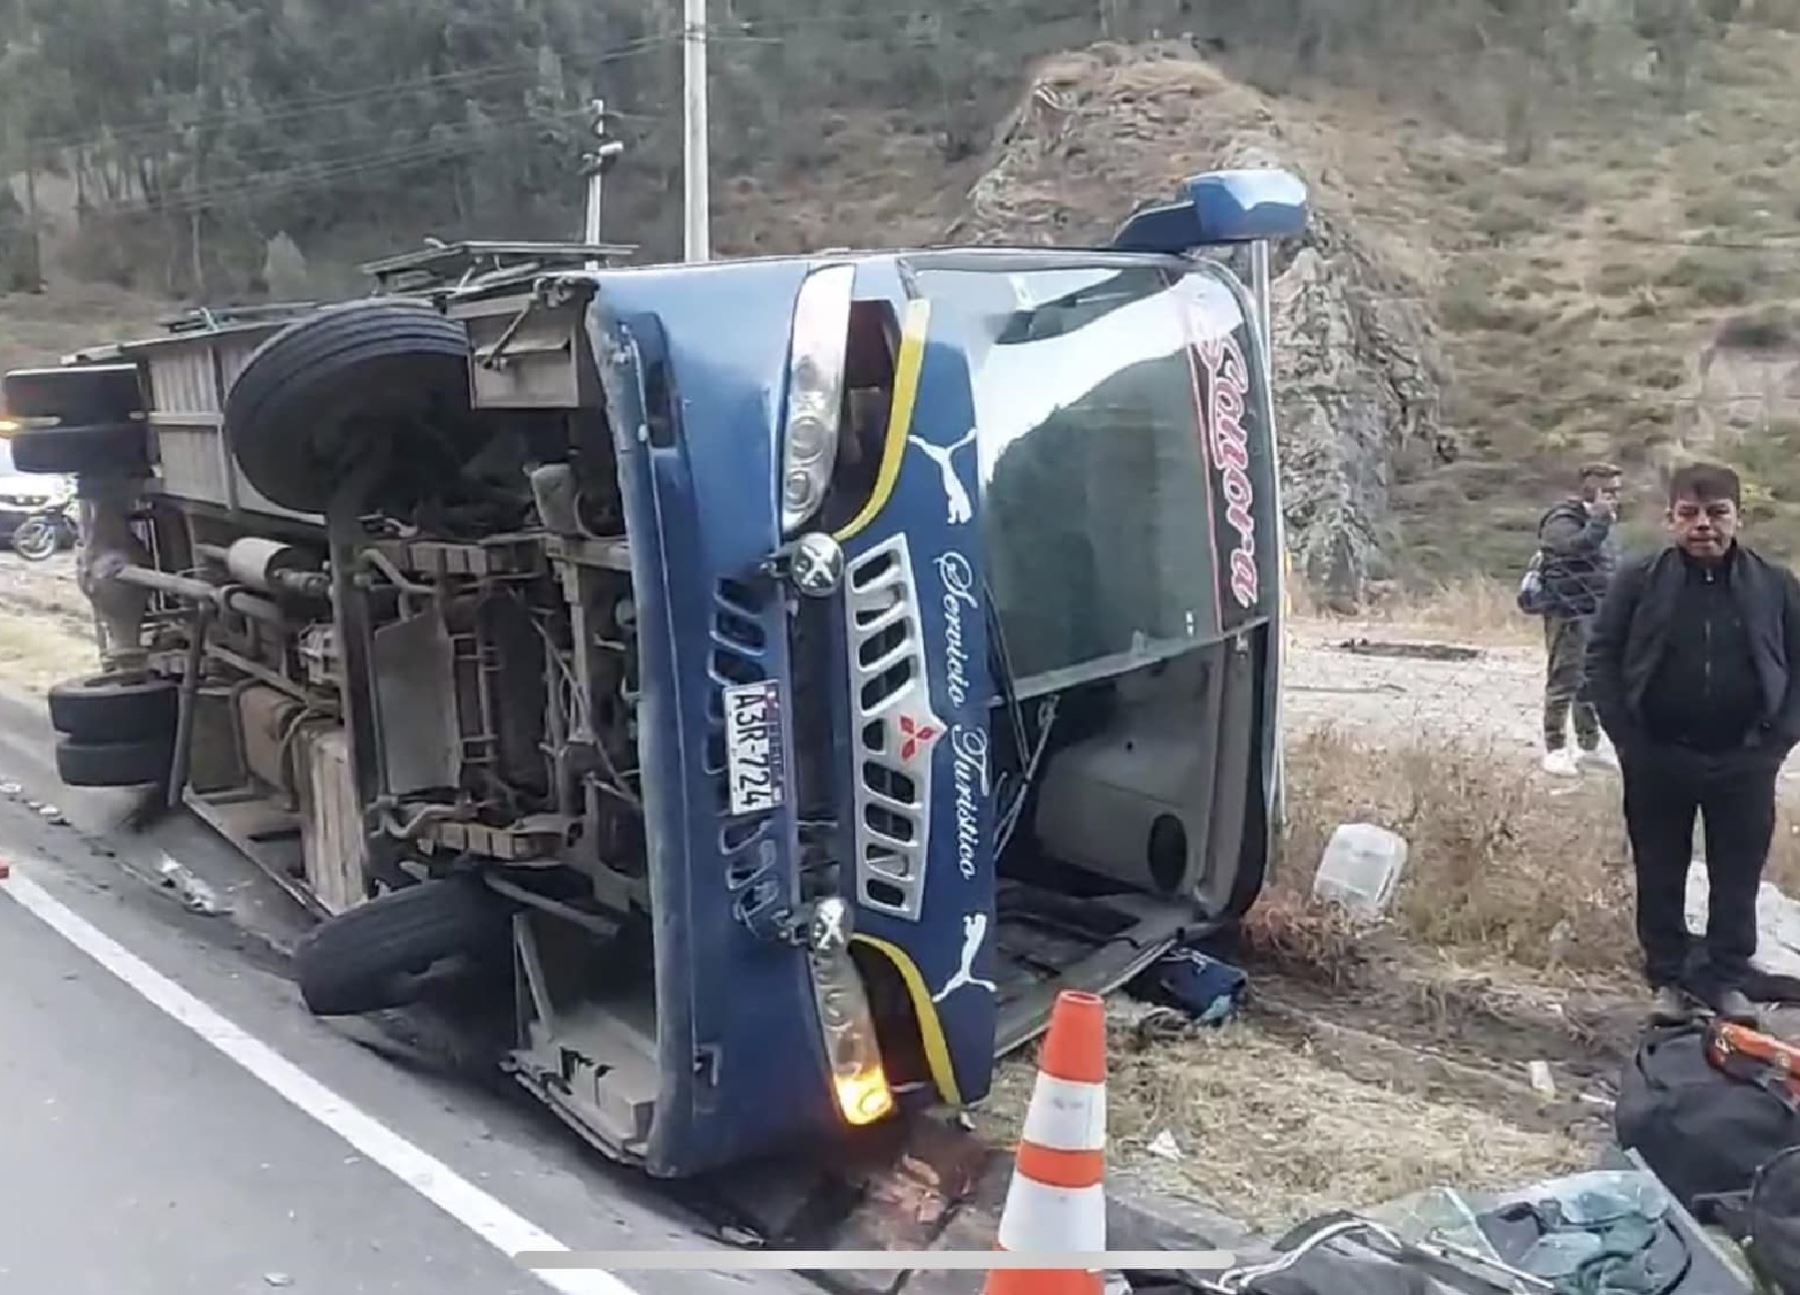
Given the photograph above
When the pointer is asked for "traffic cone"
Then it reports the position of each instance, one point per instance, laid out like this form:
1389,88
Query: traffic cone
1057,1199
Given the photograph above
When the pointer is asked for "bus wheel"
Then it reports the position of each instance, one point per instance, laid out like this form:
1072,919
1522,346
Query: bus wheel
319,397
114,764
91,449
115,708
379,955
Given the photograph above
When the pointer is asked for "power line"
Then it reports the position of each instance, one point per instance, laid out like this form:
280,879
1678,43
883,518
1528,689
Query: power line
310,175
284,111
757,32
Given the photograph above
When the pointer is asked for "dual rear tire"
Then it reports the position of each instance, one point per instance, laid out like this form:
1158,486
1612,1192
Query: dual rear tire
114,730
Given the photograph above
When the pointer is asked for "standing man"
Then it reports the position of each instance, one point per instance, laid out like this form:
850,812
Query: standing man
1695,669
1578,553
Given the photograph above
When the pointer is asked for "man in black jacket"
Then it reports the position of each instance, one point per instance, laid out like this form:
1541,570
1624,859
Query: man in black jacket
1577,553
1694,667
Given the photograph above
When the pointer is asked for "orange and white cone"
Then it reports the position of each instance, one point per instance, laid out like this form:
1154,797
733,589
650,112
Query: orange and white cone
1057,1200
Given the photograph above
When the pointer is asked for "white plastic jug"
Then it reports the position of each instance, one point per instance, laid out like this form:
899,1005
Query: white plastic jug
1361,869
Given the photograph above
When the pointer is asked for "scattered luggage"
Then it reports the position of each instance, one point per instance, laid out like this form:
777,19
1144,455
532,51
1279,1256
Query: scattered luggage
1703,1130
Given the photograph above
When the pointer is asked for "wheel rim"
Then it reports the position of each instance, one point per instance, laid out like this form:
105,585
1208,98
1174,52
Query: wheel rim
34,540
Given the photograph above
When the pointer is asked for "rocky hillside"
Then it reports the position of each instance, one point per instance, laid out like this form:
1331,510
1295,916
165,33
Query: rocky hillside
1468,320
1360,373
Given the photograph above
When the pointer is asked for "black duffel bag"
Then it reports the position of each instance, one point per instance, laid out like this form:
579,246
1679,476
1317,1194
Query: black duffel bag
1703,1132
1766,1219
1775,1222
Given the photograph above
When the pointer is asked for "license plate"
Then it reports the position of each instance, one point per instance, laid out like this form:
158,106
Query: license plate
753,756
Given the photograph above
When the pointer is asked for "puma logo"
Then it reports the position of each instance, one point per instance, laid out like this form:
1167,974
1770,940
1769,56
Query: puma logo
975,927
956,495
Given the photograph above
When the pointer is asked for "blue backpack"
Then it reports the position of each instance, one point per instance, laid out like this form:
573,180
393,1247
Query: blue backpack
1531,597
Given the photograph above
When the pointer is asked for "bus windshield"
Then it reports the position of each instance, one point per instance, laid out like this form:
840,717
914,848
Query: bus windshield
1098,512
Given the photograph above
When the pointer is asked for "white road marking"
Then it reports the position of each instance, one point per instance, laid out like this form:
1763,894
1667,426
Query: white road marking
486,1217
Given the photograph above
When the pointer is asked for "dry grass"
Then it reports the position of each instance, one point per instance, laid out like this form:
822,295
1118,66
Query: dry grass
1290,934
1501,864
1505,883
1497,865
1272,1134
1465,607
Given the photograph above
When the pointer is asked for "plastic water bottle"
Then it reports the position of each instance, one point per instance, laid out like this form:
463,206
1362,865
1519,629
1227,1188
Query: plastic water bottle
1361,869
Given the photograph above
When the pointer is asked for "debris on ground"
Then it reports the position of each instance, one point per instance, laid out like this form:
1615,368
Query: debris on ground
1207,990
1273,1133
1412,651
1361,870
1599,1231
194,893
1164,1147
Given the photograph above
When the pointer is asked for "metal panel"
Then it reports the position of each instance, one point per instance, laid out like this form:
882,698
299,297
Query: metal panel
331,830
189,380
528,354
415,688
188,458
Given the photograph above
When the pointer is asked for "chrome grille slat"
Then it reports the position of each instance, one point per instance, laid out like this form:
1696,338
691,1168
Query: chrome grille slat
880,595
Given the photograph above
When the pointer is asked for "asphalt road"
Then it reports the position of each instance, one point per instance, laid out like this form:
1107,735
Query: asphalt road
173,1121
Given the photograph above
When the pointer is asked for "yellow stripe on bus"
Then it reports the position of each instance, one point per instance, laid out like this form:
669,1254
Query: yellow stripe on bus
906,394
931,1029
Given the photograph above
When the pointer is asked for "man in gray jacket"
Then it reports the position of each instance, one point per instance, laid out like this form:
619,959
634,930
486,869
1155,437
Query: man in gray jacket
1578,554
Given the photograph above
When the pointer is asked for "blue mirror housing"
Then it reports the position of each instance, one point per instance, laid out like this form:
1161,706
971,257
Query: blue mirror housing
1221,207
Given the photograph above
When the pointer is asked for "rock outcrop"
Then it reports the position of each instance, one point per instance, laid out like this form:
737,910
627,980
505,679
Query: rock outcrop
1358,371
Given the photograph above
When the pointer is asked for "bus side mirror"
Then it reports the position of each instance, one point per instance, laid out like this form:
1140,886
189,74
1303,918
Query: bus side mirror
1221,207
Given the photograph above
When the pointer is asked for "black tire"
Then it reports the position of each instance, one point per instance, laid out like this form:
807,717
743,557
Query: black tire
113,764
76,393
35,540
375,956
91,449
115,708
319,397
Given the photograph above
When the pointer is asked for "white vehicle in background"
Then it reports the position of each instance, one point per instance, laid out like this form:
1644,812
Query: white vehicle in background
36,512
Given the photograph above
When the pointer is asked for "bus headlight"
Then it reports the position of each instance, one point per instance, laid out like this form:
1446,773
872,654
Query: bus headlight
858,1079
815,392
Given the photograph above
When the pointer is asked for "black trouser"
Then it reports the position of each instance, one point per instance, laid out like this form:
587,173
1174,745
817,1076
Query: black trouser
1565,643
1734,794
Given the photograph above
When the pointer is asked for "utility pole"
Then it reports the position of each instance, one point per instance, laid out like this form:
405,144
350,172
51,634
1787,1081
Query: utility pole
603,158
697,208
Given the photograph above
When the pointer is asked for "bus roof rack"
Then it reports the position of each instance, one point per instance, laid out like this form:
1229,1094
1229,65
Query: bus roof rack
449,265
208,318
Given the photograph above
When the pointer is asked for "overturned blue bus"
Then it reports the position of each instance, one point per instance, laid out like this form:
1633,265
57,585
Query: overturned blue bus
780,677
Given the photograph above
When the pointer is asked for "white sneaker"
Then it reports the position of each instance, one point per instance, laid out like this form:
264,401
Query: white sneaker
1561,764
1600,759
